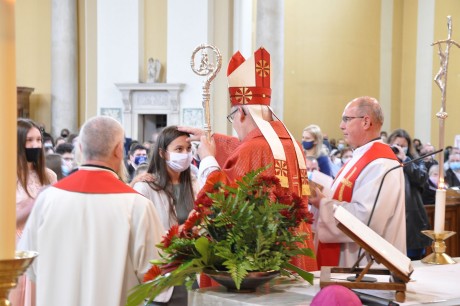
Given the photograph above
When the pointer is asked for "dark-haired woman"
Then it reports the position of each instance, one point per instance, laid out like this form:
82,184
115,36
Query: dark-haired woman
32,176
172,190
415,175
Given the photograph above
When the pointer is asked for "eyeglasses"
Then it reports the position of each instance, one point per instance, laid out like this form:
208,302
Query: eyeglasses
347,119
232,114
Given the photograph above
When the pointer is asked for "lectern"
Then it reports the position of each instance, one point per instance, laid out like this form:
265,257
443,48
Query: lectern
378,250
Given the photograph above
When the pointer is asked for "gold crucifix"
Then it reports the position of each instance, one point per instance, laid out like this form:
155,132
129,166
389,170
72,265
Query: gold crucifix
441,80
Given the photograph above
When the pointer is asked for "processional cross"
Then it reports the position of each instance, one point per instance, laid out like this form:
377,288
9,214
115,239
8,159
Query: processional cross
441,80
438,256
439,234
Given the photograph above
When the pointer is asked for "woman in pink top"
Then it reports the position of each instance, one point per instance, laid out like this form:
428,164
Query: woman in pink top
32,176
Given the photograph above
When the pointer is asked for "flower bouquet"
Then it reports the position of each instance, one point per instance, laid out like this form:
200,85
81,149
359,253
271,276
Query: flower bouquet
240,228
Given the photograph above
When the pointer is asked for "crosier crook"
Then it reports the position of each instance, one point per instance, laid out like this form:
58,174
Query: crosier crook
206,69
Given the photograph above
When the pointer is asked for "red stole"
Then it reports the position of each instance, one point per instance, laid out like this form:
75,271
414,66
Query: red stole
329,253
93,182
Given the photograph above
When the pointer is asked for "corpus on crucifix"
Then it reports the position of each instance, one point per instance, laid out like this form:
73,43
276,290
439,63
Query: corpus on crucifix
441,80
439,235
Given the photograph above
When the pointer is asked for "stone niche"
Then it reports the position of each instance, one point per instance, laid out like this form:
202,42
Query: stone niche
24,101
149,106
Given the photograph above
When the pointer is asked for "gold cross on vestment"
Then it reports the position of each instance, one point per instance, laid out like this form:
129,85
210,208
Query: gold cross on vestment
345,182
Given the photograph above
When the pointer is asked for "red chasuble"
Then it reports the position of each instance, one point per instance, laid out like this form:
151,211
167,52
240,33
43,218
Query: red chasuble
328,254
238,158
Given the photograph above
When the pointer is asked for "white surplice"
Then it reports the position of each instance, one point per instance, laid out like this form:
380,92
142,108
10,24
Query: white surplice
389,218
93,247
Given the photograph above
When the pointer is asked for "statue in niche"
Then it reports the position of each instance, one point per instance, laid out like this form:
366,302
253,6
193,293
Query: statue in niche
153,70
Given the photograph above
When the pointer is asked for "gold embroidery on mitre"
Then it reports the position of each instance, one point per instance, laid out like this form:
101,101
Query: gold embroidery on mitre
243,95
262,68
345,182
281,172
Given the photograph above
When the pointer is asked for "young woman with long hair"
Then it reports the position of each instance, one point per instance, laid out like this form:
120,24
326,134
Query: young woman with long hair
32,177
172,189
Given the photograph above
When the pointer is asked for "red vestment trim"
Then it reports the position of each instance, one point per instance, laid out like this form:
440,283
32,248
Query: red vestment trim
329,253
87,181
236,60
262,62
249,95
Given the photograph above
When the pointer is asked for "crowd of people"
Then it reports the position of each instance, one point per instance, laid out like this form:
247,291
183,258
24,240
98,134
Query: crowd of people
74,194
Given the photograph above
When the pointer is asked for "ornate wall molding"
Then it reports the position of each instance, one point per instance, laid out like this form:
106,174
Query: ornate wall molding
149,98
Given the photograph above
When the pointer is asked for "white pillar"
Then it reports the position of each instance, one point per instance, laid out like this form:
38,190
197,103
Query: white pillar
424,70
64,69
182,41
243,27
270,35
120,47
386,51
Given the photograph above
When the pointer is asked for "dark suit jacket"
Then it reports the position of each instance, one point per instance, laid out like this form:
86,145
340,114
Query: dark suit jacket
451,179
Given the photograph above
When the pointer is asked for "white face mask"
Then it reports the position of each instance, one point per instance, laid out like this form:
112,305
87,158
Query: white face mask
434,180
179,162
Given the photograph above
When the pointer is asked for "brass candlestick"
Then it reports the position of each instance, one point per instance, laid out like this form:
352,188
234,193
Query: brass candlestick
438,257
10,270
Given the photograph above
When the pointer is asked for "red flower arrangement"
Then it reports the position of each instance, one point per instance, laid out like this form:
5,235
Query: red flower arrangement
248,226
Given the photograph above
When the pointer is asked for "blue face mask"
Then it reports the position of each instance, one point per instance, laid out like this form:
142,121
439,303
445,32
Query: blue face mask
340,146
140,159
65,170
307,145
455,166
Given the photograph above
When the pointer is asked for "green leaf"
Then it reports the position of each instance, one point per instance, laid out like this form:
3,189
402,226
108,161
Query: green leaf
302,273
249,227
202,246
303,251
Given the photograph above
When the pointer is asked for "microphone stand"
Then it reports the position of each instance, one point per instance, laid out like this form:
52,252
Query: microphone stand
396,167
401,165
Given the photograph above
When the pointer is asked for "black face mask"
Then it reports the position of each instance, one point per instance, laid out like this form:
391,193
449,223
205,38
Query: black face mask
33,154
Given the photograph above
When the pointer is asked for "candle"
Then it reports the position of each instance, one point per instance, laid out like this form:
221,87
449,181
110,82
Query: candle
439,211
8,105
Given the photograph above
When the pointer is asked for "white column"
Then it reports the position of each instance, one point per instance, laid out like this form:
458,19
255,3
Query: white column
90,59
243,27
64,70
270,35
183,40
119,49
386,51
424,70
8,128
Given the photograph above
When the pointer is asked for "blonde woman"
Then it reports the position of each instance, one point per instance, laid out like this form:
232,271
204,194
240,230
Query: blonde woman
312,143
